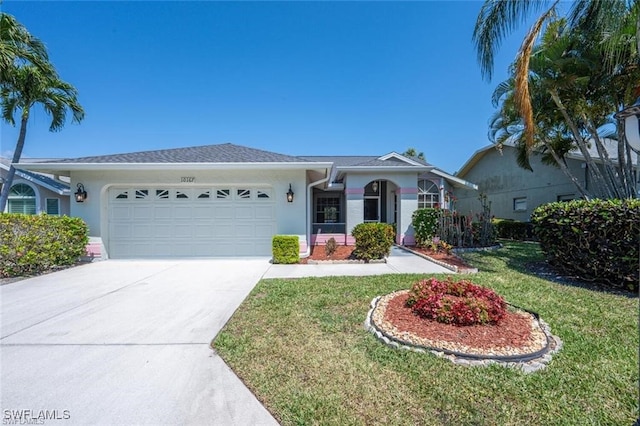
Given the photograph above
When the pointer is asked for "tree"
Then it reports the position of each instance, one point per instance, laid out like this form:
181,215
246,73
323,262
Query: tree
599,33
19,47
572,97
30,86
607,20
411,152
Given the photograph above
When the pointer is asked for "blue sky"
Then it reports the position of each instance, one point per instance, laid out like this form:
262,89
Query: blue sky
299,78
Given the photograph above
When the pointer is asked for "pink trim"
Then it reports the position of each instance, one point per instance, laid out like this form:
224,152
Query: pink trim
354,191
409,240
341,239
303,246
93,250
407,190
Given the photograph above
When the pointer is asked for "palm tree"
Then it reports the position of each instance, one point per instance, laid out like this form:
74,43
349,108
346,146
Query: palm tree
572,97
411,152
19,47
605,20
28,87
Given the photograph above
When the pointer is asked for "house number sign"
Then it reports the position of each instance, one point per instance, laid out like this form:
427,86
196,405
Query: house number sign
190,179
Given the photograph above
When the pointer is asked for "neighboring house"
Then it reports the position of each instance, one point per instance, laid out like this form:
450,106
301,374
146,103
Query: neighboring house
229,200
515,192
33,193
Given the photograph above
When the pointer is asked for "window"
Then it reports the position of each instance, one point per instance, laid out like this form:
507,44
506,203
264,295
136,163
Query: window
328,210
162,194
428,194
53,206
566,197
243,194
223,194
22,199
520,204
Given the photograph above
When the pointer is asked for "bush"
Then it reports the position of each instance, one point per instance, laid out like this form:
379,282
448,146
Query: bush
596,240
33,244
460,303
373,240
513,229
285,249
425,224
330,247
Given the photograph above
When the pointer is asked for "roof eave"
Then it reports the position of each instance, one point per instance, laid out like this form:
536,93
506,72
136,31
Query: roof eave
51,167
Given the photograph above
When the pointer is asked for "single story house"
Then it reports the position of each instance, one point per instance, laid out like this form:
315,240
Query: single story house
229,200
34,193
515,192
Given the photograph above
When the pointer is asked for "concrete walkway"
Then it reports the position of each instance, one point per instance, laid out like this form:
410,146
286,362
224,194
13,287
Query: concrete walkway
399,262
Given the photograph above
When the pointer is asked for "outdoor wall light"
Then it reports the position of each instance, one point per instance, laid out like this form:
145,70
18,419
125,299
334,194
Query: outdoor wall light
80,194
374,186
630,115
290,195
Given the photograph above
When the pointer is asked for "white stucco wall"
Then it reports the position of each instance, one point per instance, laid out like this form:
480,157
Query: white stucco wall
406,190
290,217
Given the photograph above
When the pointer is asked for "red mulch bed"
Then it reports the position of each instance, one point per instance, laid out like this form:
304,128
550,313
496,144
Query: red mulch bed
449,259
513,331
341,253
345,253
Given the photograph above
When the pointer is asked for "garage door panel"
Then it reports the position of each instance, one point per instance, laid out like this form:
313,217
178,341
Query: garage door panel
223,212
142,212
121,212
120,231
162,230
244,230
185,222
142,231
162,212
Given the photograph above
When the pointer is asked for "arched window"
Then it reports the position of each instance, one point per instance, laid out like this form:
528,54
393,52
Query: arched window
22,199
428,194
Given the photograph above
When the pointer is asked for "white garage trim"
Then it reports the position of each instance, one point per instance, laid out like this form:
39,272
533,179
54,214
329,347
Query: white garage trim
202,221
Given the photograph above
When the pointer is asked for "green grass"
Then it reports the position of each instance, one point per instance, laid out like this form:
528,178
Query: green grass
300,346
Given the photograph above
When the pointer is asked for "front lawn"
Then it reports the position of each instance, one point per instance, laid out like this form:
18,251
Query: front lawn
300,346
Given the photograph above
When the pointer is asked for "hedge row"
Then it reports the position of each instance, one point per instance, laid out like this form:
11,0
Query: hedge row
597,240
33,244
513,229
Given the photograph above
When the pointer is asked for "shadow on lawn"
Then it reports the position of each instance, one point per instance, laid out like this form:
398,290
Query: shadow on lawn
527,258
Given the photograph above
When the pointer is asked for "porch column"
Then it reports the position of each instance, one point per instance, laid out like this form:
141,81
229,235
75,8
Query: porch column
407,204
355,207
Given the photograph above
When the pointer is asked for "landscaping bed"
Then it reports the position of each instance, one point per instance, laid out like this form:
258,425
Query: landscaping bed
301,347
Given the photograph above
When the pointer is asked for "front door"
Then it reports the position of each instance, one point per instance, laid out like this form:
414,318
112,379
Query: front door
372,209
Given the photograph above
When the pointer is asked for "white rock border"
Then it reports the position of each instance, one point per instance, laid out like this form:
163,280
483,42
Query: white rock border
554,344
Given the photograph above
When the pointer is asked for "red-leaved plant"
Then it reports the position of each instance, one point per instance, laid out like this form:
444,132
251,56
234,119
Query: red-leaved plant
456,302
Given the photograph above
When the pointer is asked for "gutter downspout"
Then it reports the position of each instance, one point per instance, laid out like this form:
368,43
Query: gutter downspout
309,207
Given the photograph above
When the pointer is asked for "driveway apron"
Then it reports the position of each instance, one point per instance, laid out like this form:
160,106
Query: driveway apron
126,342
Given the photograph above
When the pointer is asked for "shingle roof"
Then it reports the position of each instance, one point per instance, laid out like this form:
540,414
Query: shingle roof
221,153
362,161
33,176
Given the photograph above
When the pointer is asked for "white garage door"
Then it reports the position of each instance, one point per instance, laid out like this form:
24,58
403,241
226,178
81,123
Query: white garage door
162,221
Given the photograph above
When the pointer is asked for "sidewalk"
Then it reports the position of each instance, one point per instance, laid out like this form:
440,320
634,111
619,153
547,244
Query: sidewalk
399,262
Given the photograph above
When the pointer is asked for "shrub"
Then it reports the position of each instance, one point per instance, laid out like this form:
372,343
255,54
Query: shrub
456,302
373,240
285,249
330,247
513,229
425,225
596,240
33,244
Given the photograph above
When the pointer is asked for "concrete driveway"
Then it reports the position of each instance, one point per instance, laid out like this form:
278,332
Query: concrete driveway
126,342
